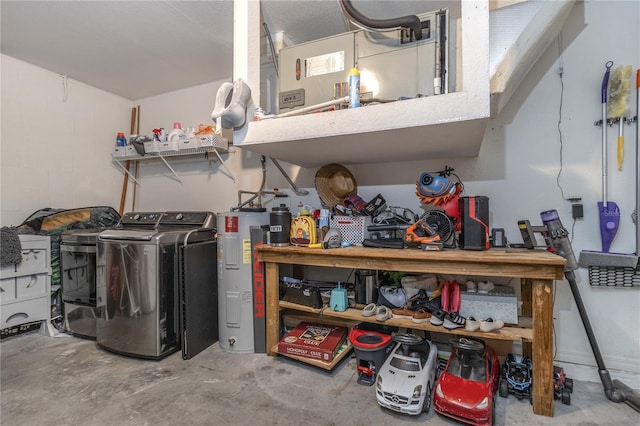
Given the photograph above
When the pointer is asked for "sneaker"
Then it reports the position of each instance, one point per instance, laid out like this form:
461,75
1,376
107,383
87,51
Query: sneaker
485,286
421,316
383,313
472,324
403,312
437,318
490,324
471,287
369,310
453,320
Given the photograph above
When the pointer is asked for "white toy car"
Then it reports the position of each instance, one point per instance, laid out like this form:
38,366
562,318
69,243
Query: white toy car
406,380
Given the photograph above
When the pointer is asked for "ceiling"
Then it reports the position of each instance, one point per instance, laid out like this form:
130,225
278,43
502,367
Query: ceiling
138,49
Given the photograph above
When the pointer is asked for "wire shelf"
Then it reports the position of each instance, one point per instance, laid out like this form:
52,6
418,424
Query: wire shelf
614,276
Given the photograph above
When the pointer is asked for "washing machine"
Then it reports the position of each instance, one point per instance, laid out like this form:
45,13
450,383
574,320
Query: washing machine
156,291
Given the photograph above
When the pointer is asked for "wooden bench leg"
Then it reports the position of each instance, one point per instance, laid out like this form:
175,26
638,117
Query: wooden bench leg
542,347
272,276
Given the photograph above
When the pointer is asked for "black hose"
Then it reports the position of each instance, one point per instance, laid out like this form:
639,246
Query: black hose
409,21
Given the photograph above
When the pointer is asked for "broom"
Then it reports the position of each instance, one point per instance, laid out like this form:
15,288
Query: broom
619,102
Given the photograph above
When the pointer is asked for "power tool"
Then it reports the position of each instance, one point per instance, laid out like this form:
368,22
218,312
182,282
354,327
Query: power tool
417,234
421,234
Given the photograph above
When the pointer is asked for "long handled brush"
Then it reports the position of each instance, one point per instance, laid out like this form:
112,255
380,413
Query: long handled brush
609,211
619,102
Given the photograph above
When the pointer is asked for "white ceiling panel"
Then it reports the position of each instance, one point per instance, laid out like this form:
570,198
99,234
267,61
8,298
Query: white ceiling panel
138,49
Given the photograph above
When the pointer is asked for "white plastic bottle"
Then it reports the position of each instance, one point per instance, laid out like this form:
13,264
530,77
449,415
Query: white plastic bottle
177,133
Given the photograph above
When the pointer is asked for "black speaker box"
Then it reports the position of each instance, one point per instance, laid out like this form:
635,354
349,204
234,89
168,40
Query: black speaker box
474,212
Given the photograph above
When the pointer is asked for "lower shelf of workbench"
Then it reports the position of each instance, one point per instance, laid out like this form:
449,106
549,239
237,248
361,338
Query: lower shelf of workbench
523,332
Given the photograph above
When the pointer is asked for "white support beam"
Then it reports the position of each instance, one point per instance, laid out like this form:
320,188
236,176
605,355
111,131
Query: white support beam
246,51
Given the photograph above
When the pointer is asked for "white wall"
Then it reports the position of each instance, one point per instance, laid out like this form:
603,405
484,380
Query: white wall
517,166
56,152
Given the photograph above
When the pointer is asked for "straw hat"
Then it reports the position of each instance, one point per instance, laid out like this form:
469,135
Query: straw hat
334,182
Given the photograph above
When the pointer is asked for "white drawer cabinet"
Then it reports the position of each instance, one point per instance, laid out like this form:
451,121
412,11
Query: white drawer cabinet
25,288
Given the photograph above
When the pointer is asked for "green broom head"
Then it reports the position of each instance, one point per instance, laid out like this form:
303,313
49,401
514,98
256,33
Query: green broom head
619,86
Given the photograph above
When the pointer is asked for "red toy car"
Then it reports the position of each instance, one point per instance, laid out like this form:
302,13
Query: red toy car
466,389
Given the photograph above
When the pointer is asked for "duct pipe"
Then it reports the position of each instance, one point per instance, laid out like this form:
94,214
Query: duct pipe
409,21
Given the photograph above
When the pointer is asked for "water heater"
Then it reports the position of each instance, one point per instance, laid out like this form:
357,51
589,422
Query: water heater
235,278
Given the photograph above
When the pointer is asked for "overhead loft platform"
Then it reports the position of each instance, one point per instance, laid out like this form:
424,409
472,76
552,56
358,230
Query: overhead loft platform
411,129
442,126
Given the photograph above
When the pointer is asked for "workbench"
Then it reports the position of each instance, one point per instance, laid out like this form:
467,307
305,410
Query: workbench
537,270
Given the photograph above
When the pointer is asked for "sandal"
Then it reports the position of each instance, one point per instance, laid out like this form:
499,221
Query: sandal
369,310
383,313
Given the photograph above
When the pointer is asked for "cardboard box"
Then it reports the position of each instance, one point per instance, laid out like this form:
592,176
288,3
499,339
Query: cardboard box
315,341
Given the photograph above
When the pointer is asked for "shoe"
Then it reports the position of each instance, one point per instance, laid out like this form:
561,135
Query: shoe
418,299
446,296
403,312
427,305
472,324
490,324
437,318
471,287
453,320
369,310
485,286
421,316
454,303
383,313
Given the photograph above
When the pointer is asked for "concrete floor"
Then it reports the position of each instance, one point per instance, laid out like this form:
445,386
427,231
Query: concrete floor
68,381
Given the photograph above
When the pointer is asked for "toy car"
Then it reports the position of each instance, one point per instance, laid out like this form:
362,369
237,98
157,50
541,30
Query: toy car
517,377
406,379
562,385
466,388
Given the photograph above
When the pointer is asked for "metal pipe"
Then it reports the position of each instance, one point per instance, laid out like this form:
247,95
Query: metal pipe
308,109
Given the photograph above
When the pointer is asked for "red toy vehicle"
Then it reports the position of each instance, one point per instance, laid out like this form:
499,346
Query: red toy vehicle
466,389
562,385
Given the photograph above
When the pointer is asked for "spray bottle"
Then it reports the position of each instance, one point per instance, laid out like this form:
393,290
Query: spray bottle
354,88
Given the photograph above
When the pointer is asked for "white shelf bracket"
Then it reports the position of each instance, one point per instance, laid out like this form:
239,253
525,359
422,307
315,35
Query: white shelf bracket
224,165
124,169
170,168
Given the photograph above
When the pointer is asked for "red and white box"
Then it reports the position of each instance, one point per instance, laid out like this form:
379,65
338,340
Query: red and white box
315,341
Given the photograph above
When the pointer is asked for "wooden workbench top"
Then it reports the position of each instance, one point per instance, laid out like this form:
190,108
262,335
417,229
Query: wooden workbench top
523,263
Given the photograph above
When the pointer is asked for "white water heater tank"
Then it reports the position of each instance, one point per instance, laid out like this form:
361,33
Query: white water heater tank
235,288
